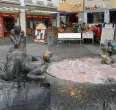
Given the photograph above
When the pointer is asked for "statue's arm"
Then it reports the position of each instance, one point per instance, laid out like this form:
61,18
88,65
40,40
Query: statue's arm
13,40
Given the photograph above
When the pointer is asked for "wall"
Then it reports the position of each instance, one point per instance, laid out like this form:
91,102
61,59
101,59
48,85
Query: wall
71,6
113,3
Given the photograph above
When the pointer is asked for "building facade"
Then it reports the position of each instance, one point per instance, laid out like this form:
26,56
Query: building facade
99,11
26,13
91,11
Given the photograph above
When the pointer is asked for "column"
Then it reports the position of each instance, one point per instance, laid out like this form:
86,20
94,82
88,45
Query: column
18,21
83,17
107,16
54,22
58,20
23,20
63,18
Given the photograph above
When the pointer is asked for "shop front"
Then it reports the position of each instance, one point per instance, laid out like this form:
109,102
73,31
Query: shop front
7,22
33,20
95,17
113,16
113,12
71,10
97,11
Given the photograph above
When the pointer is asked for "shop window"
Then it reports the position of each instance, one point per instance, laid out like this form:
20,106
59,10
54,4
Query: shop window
97,17
112,16
9,23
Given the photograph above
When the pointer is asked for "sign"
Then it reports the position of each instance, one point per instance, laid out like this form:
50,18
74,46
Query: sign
40,33
97,4
107,34
88,35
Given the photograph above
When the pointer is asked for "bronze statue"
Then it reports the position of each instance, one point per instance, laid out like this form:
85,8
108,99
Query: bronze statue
17,38
16,59
19,63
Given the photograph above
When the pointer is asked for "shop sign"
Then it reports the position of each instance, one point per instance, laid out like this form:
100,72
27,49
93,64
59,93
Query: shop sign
97,4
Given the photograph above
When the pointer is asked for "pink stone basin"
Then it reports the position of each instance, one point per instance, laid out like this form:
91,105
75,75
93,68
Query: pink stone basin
85,70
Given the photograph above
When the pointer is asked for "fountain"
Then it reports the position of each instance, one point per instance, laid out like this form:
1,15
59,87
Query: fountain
83,84
23,85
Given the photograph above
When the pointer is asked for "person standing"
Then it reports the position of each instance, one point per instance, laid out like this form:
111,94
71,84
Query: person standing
49,36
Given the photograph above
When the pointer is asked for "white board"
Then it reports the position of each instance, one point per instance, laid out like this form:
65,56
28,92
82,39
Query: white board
88,35
107,34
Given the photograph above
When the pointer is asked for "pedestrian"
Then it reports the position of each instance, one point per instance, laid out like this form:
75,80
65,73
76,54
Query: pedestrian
83,27
49,36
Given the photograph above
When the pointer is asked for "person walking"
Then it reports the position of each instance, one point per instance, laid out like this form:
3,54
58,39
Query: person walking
49,36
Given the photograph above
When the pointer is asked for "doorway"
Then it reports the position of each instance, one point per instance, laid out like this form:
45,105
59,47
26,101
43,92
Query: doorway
112,16
9,23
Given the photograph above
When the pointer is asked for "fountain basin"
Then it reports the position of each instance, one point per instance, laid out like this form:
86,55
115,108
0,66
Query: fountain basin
82,84
86,70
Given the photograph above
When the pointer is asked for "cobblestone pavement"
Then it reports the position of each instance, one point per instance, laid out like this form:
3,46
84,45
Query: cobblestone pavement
67,95
63,51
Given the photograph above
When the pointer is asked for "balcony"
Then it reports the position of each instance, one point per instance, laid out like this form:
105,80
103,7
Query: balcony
50,4
10,1
29,4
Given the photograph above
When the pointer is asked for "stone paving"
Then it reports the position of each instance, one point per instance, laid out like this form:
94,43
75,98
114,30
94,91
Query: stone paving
67,95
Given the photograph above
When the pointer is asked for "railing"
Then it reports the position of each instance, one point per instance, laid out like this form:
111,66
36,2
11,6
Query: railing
10,1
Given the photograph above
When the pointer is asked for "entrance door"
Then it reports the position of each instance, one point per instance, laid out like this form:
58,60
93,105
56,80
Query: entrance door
112,16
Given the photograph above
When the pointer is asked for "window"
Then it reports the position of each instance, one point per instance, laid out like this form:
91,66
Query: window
62,1
96,17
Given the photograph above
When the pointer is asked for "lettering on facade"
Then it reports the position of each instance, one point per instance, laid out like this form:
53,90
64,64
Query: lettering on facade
97,4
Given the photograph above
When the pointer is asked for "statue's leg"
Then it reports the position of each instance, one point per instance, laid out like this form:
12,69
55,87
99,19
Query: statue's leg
36,74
